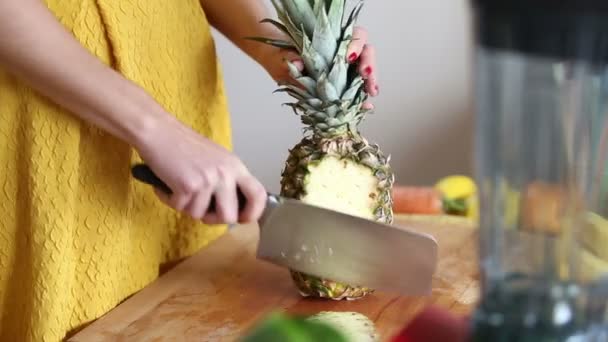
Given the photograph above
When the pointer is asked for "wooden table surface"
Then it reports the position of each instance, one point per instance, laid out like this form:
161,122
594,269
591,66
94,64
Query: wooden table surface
219,293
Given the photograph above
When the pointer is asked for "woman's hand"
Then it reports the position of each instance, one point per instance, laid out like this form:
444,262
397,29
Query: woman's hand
192,165
359,50
271,58
195,168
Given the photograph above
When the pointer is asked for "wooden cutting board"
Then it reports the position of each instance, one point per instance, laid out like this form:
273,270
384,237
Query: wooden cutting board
219,293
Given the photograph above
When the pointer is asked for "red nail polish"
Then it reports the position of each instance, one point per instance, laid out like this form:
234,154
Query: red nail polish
352,57
367,71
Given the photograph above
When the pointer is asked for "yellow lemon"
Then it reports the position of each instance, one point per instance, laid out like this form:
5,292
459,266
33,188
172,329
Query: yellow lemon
460,190
456,186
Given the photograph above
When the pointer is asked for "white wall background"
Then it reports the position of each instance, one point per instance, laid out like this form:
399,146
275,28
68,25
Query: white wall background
423,114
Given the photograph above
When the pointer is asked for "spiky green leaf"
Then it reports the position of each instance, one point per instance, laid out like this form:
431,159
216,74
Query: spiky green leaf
338,76
282,44
361,96
309,84
333,122
290,92
319,116
297,90
327,92
315,64
293,106
323,40
291,27
276,24
301,13
318,5
322,126
306,107
316,103
294,72
342,50
307,120
335,15
295,38
332,110
355,86
350,23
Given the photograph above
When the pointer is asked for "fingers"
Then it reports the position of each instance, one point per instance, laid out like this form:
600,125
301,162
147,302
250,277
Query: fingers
367,68
295,60
198,206
256,199
359,49
368,105
196,203
277,66
355,49
175,201
226,202
165,198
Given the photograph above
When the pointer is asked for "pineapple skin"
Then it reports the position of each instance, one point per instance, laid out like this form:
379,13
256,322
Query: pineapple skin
295,182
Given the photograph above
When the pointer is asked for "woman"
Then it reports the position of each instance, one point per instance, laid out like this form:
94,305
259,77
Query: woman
87,88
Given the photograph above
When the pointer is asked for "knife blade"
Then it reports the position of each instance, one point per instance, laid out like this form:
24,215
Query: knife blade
345,248
337,246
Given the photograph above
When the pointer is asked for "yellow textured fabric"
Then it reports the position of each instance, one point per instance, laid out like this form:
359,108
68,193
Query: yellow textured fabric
78,235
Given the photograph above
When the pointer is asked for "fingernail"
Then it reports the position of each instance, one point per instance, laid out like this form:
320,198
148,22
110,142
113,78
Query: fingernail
377,90
352,57
367,71
298,63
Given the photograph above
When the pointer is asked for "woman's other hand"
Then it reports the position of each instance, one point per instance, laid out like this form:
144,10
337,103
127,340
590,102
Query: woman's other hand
195,168
359,51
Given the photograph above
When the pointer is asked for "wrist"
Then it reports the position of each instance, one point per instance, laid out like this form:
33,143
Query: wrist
137,116
264,54
147,118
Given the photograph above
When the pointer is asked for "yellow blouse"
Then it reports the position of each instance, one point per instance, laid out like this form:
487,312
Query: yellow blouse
78,235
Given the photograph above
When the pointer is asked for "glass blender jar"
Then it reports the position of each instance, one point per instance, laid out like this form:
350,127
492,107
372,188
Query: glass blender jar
541,91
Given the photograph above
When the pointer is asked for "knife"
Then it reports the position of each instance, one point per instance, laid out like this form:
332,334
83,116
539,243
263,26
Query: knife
337,246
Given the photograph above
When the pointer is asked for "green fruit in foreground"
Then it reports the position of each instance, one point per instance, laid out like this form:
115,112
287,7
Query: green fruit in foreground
322,327
355,326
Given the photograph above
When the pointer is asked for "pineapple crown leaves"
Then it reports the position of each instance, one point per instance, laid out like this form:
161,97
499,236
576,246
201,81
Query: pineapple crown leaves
329,91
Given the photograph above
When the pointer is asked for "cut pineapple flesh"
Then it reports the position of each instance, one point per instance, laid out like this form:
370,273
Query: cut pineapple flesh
342,185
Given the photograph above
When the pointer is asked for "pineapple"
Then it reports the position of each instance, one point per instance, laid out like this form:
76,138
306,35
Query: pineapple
334,166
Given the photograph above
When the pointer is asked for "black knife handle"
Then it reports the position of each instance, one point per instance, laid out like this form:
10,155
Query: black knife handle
144,173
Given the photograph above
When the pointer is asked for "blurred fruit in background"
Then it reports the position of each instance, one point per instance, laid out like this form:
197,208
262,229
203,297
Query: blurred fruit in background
453,195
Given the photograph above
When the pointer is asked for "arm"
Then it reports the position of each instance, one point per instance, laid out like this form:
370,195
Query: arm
250,12
221,15
35,47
